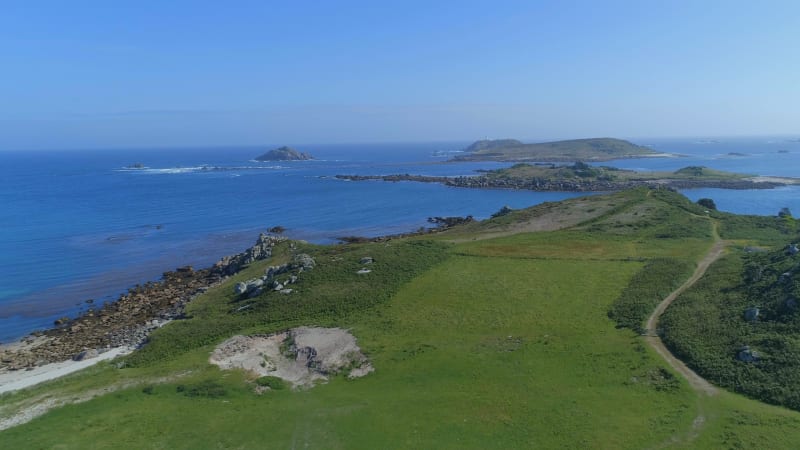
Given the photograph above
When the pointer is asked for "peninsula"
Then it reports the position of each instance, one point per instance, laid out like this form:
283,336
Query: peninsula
581,177
543,308
593,149
284,154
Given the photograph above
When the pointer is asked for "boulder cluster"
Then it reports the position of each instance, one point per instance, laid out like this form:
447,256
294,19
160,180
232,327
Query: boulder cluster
275,278
230,265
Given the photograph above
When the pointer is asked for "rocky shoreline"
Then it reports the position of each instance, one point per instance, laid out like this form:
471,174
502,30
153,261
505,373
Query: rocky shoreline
127,321
549,185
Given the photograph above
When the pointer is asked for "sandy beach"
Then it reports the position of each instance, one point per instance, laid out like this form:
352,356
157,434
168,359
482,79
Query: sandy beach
13,380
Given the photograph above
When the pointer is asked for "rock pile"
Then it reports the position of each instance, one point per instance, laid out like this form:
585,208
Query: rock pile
262,250
270,280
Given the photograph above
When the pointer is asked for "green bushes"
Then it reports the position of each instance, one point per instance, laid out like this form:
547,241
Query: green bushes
646,289
271,382
206,388
706,327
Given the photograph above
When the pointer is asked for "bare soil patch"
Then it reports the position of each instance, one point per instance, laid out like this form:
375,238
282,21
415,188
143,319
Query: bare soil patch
300,356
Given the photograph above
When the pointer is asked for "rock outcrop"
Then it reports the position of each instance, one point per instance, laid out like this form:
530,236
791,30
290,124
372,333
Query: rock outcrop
276,278
261,250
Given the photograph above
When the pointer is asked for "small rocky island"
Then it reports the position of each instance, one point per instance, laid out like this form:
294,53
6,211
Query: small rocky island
284,154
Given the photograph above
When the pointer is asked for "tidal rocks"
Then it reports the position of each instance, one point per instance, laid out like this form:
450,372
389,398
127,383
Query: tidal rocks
447,222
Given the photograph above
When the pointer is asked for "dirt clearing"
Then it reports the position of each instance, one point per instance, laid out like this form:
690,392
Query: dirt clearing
300,356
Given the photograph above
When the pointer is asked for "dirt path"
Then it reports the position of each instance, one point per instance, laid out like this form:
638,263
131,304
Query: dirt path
697,382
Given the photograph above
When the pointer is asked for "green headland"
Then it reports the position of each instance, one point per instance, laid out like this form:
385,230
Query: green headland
521,331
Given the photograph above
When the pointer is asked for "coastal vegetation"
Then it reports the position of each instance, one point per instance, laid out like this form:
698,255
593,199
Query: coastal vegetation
739,326
511,332
593,149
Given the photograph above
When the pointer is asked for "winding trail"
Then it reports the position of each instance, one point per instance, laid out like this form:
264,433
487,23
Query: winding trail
697,382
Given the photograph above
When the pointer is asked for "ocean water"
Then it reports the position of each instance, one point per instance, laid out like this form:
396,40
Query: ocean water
78,225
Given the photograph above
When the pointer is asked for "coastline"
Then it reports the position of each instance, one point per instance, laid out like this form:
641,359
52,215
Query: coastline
120,326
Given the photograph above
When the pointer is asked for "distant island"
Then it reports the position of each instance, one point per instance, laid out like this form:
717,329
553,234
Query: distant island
581,177
284,154
594,149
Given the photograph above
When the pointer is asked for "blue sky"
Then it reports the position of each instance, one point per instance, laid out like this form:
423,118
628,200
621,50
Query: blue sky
80,74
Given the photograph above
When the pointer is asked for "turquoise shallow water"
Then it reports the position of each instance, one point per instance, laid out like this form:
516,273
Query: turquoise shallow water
76,225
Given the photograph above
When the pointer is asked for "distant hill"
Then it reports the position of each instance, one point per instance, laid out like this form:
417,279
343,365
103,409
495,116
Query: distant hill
284,154
594,149
492,144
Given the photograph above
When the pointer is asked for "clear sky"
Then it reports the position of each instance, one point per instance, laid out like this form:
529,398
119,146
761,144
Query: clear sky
81,74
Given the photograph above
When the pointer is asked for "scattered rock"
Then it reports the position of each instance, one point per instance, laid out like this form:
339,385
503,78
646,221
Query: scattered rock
363,271
240,288
751,314
286,291
746,354
304,261
86,354
366,260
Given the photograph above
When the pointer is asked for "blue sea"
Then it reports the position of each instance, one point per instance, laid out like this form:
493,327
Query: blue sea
78,225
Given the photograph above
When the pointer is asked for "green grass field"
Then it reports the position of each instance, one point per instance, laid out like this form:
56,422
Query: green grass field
494,343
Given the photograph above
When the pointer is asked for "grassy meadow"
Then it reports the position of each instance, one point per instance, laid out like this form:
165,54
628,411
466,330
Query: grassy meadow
501,342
